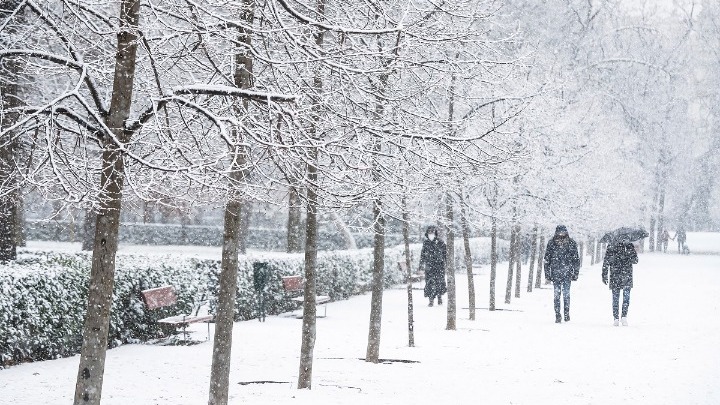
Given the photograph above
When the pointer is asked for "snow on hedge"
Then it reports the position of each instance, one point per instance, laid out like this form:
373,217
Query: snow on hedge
43,294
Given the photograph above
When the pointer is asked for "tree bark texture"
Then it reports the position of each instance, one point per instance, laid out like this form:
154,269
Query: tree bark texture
450,264
540,261
236,225
533,254
468,256
408,261
88,389
511,264
225,315
20,235
518,260
88,237
245,213
294,227
373,347
493,262
10,98
661,212
309,327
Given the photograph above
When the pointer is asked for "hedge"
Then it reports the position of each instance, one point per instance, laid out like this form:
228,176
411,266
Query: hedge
198,235
43,295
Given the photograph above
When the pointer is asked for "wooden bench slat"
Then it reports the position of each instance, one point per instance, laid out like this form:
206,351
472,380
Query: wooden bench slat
295,284
159,297
165,296
319,299
185,319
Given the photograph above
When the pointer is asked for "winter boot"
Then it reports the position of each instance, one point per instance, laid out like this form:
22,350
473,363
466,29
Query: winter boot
623,320
616,322
558,319
567,317
431,302
439,299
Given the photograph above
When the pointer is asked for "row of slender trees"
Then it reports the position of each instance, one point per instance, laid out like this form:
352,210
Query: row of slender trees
411,110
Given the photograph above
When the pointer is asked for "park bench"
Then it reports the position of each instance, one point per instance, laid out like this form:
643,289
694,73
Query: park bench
164,296
294,289
410,277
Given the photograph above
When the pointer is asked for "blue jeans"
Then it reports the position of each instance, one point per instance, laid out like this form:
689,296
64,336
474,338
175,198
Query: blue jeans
616,301
562,287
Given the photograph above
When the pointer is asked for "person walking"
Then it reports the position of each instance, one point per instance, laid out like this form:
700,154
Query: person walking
664,238
618,264
432,258
681,237
562,265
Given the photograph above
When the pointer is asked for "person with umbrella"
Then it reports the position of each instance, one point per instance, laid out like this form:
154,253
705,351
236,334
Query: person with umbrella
562,265
618,264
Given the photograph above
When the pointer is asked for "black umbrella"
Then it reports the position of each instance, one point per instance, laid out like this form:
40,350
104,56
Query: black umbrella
625,234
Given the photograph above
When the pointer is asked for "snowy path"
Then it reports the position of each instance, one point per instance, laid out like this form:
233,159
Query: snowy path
668,355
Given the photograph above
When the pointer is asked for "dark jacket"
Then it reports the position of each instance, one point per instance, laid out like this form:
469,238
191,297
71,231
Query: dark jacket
561,261
618,261
432,256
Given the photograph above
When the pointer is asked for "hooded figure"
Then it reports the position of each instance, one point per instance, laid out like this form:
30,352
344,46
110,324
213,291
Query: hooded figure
432,257
619,259
562,265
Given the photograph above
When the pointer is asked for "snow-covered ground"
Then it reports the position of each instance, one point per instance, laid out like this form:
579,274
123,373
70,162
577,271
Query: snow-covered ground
668,355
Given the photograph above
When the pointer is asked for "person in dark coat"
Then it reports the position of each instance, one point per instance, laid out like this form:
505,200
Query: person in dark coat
619,259
432,257
562,265
681,237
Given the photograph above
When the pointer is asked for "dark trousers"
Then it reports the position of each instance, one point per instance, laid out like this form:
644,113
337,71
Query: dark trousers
616,301
562,287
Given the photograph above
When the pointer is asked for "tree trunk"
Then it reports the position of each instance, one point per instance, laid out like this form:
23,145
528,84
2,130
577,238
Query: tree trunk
468,256
653,218
88,389
20,235
88,240
518,260
8,241
406,241
493,261
533,254
450,263
309,308
10,98
661,213
591,249
236,224
309,326
148,216
511,263
373,347
540,261
225,315
245,212
294,226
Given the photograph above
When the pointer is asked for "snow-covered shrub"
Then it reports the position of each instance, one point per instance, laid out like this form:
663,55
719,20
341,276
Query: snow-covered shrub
43,295
264,239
